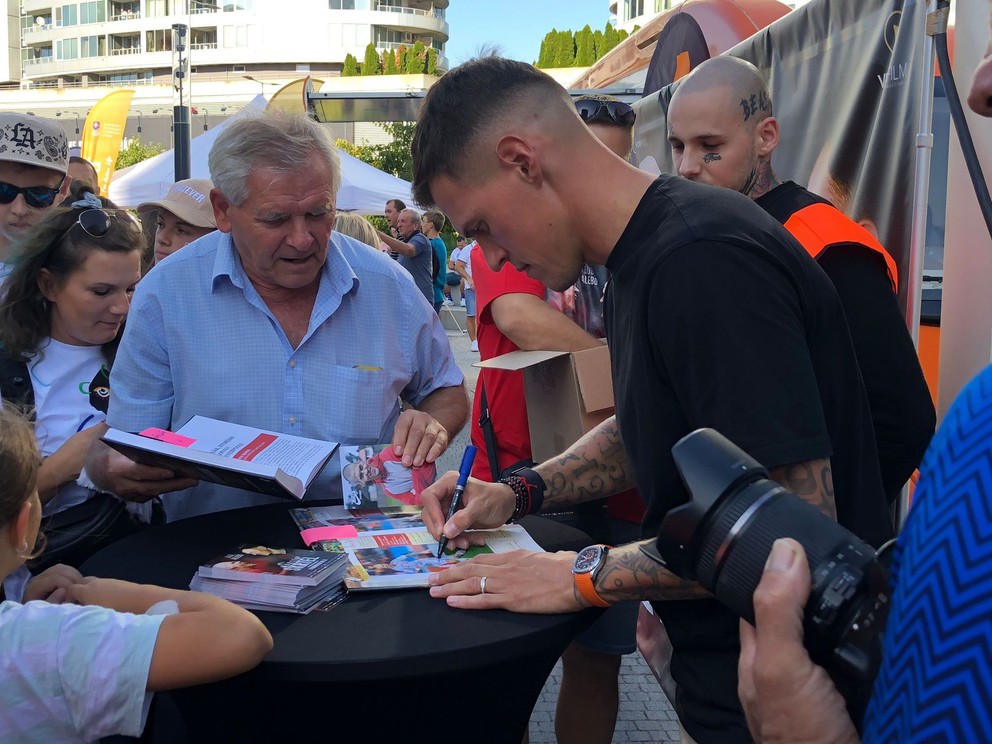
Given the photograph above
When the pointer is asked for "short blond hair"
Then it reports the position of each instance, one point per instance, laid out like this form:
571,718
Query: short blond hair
357,227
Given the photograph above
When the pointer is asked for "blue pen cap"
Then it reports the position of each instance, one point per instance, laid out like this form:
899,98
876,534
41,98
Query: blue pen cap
467,461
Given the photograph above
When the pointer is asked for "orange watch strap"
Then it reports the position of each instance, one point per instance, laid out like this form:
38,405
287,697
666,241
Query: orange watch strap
586,587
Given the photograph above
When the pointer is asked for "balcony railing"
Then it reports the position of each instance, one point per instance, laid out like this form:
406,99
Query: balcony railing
411,11
204,45
38,61
125,50
126,15
36,27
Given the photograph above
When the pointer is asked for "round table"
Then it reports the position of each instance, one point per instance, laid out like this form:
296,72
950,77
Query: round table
390,663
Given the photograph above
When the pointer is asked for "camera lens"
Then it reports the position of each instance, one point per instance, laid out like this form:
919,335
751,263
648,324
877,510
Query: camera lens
722,537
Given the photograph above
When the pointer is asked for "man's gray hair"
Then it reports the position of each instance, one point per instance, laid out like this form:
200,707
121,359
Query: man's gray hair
273,141
414,216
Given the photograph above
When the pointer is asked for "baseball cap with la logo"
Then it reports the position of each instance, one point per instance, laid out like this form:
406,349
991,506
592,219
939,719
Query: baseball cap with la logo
32,141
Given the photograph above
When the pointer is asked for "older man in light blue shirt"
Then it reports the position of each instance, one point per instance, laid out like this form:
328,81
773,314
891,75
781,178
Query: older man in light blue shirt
274,323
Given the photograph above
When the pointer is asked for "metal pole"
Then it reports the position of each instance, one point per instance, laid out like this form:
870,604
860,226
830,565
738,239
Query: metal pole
180,111
921,189
181,142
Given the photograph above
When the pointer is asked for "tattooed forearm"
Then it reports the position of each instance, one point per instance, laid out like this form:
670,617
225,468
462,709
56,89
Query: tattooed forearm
594,467
629,574
812,481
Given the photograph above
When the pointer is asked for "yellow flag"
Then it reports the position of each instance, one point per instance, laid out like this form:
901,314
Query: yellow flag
103,133
292,97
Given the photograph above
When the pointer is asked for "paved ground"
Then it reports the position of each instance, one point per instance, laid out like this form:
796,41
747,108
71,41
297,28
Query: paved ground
645,713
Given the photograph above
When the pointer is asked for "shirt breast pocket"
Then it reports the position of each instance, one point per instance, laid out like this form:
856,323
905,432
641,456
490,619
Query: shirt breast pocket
363,401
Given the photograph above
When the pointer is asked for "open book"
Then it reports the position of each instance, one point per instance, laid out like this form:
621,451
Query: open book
229,454
391,549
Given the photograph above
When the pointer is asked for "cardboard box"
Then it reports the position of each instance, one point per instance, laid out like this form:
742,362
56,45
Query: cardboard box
568,393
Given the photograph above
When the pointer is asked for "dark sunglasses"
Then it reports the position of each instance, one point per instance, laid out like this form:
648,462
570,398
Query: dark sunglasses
95,223
38,197
616,111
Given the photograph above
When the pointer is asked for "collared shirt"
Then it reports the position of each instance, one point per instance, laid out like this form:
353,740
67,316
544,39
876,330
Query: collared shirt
201,341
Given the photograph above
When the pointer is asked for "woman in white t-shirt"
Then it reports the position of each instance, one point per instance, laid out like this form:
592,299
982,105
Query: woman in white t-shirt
66,301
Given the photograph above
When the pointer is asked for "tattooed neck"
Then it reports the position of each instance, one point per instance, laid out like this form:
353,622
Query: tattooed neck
761,181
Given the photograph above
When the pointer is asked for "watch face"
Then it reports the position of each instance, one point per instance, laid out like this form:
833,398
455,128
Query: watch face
588,559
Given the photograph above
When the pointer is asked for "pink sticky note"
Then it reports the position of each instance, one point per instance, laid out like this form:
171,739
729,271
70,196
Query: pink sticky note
334,532
169,437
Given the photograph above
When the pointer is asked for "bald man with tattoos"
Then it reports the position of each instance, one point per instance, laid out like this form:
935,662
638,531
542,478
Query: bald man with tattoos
722,132
715,317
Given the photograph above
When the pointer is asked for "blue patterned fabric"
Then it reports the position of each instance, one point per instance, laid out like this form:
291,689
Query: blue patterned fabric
935,684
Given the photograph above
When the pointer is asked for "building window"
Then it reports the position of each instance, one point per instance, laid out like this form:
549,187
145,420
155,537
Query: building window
341,4
349,34
125,78
239,5
632,9
93,46
158,8
159,40
66,16
235,36
68,49
93,12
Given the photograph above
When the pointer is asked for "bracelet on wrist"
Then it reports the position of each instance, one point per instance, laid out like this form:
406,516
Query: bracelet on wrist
528,489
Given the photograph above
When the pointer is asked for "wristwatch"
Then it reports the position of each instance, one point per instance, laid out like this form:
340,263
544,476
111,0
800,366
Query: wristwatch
584,570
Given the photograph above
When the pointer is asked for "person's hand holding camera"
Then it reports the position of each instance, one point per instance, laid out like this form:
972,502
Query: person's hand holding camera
786,697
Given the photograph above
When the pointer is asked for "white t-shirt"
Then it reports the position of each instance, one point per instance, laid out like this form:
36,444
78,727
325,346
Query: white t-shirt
465,254
73,674
60,376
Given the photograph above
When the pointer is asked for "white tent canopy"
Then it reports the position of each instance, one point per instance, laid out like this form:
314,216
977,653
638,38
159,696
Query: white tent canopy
364,189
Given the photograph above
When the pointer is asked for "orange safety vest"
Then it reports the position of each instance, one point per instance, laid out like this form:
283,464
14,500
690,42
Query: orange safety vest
820,226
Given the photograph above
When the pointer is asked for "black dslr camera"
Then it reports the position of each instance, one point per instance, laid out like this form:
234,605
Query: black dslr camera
722,537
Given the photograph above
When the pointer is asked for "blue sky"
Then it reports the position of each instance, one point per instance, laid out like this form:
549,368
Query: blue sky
516,26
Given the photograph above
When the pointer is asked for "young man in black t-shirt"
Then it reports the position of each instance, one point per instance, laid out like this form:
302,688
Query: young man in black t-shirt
715,317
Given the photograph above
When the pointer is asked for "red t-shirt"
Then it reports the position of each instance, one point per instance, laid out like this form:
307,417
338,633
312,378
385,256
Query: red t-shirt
504,390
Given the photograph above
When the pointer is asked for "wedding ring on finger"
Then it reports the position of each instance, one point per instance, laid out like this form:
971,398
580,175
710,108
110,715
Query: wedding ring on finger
482,585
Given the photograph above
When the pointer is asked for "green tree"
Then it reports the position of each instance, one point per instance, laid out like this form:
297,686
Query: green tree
565,51
389,62
136,151
350,68
610,38
415,59
597,42
622,34
546,58
585,48
371,65
432,61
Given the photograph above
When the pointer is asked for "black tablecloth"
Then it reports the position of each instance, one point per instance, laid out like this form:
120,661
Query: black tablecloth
378,658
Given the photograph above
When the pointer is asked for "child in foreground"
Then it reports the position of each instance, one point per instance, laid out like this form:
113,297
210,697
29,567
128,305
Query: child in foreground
83,664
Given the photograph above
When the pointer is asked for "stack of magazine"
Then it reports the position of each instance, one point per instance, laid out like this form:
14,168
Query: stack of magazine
274,579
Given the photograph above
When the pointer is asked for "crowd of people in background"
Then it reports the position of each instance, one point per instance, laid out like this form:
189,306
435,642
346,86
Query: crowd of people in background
686,275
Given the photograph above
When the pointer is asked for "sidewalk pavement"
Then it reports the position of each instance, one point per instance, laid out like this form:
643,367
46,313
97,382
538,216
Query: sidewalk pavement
645,713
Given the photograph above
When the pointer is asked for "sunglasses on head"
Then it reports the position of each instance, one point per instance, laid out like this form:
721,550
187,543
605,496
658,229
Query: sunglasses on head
616,111
94,222
38,197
